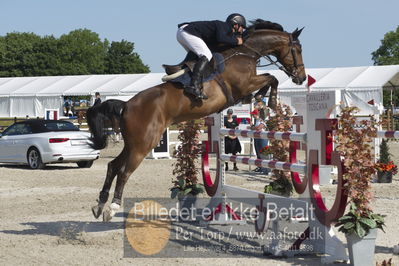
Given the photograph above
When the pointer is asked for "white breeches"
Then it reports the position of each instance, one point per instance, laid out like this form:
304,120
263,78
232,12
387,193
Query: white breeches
193,43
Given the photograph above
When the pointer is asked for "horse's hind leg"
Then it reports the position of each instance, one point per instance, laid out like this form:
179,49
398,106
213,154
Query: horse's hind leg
133,161
136,150
130,166
113,167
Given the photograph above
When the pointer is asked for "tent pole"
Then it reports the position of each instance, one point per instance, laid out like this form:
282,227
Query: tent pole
392,106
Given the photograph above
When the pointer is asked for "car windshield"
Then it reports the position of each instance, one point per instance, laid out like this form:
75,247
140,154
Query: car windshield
18,129
60,126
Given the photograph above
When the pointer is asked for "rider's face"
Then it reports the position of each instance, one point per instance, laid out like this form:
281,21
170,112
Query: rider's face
238,28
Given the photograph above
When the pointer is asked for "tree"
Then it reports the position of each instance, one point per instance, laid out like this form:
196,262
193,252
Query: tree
17,54
121,59
47,61
80,52
388,54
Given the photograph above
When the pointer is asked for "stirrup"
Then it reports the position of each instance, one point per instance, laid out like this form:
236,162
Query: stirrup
197,93
203,96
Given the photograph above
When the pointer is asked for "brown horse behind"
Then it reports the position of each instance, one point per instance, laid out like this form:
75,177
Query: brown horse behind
150,112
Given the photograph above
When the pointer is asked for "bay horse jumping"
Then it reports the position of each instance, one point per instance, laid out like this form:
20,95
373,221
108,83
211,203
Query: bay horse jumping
146,116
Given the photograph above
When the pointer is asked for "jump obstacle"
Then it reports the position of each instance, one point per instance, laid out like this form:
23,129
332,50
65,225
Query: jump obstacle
312,136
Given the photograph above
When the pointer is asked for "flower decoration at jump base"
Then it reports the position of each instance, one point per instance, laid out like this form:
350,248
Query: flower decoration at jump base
387,167
187,155
360,169
360,223
280,121
266,150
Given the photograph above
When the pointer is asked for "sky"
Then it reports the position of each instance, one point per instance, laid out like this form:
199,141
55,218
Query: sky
337,33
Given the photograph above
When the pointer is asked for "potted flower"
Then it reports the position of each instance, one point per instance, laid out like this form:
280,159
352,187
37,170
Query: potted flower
360,224
280,120
385,166
281,186
186,186
266,152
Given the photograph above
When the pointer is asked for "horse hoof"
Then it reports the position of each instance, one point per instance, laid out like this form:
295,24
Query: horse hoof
107,216
110,211
96,211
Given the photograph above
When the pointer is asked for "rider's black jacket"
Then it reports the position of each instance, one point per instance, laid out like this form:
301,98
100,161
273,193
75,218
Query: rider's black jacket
211,32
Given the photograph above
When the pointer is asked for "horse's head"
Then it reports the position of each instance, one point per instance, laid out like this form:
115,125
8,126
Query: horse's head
290,56
266,38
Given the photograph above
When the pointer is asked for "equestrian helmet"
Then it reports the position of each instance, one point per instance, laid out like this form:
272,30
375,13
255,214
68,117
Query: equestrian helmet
236,18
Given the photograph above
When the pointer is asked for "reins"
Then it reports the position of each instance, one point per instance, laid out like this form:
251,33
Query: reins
268,58
278,64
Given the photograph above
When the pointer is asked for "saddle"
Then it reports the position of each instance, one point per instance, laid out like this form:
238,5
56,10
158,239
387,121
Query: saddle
212,72
186,67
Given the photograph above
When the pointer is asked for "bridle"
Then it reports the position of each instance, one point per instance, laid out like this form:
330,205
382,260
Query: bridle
291,51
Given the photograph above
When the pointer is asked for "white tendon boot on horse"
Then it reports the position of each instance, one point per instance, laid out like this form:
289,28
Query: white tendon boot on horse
110,211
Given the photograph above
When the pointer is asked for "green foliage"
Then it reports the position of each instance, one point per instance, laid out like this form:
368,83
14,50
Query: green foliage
79,52
355,145
386,97
18,52
388,52
385,156
187,155
282,186
121,59
82,52
355,223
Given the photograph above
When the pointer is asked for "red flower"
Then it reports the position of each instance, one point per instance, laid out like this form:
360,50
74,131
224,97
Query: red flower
266,150
387,167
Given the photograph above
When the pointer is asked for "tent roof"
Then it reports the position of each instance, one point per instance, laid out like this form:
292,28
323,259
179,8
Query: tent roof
350,78
377,77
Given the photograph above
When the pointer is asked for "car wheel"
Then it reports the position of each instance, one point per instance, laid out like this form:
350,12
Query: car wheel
34,159
85,164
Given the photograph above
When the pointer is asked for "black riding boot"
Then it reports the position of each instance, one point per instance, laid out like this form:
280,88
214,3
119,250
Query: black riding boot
195,88
171,69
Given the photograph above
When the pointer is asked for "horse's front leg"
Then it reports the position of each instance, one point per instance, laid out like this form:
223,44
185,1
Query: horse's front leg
262,83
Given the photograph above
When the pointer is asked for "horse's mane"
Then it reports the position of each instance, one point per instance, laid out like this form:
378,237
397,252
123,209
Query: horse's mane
260,24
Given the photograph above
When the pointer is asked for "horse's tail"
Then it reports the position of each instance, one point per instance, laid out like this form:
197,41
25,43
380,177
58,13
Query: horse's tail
98,115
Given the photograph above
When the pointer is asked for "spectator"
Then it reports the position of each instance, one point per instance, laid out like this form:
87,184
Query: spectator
259,125
231,143
97,101
67,107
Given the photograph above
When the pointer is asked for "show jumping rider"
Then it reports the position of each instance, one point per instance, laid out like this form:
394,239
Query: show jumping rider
197,36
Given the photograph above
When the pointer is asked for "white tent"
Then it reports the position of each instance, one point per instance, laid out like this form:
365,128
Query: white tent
357,86
23,96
